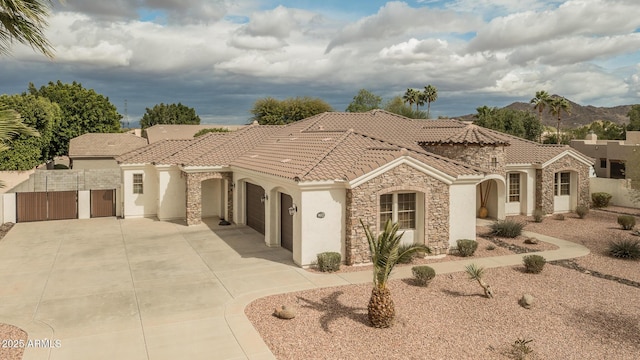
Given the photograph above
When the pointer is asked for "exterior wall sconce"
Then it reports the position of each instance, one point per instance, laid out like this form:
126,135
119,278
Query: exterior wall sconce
264,198
293,209
232,186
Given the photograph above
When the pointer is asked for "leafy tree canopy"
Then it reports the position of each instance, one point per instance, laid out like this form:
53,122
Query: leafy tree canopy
364,101
634,118
26,150
210,130
605,130
397,105
270,111
169,114
83,111
515,122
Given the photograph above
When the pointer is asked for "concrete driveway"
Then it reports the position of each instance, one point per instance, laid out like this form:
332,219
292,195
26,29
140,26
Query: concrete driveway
142,289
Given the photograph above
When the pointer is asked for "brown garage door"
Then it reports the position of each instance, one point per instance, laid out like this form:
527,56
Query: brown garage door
103,203
255,207
286,222
52,205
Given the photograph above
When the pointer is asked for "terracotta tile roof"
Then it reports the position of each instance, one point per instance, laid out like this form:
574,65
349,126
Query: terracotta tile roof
104,144
469,134
153,153
159,132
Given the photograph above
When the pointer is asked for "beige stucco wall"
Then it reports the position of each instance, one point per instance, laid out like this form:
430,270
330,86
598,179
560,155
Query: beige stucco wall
171,193
618,188
140,205
11,179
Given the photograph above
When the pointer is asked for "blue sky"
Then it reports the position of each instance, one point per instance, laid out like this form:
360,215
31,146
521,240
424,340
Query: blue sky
220,56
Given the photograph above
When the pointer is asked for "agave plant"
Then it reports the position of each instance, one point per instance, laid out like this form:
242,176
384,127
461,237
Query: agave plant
476,273
385,254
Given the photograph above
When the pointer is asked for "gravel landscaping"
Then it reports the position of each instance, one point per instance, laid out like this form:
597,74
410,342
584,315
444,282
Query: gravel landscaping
574,316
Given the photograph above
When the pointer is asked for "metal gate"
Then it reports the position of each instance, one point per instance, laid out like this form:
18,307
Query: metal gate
51,205
103,203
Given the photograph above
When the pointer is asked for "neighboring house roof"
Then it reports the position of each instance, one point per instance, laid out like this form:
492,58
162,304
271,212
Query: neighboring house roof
104,144
153,153
160,132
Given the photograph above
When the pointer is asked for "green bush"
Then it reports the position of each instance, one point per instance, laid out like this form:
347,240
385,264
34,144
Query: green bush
423,274
507,228
466,247
329,261
582,211
627,222
538,215
534,263
625,249
407,258
600,199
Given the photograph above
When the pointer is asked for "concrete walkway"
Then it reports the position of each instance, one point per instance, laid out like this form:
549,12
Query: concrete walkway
145,289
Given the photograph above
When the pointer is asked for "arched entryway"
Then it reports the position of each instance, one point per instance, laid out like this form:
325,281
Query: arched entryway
490,195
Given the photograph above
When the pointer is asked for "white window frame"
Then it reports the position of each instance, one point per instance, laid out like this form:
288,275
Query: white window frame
561,187
138,183
515,187
396,211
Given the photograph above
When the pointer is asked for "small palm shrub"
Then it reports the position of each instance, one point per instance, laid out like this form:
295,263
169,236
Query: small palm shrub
507,228
407,257
466,247
625,249
329,261
600,199
582,211
423,274
627,222
534,263
538,215
477,273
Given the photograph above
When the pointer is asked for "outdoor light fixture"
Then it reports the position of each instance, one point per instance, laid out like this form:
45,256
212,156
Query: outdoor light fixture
293,209
264,198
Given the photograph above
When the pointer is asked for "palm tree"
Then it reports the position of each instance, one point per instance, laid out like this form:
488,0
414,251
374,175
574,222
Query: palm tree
430,95
556,106
540,101
11,125
411,96
384,256
24,21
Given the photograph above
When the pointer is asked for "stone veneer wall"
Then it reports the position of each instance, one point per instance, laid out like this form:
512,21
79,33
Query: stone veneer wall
545,181
363,204
475,155
194,194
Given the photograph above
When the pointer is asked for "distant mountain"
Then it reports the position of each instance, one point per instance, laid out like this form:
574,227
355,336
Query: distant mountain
580,115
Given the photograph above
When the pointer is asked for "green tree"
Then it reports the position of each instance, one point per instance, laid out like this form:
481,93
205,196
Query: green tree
411,96
540,102
632,174
634,118
515,122
169,114
430,94
385,253
364,101
556,106
270,111
397,106
40,114
210,130
24,21
83,111
11,126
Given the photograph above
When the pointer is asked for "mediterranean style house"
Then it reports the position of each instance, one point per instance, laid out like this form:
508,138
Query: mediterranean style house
307,185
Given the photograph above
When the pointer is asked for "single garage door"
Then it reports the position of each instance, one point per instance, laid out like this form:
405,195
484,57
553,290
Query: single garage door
103,203
52,205
286,222
255,207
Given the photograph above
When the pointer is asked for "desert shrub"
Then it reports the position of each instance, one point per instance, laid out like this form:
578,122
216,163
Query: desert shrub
329,261
582,211
600,199
466,247
534,263
558,216
625,249
507,228
627,222
407,258
520,349
538,215
423,274
491,247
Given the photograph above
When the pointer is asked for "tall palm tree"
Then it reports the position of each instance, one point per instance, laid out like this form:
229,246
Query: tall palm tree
411,96
385,254
556,106
430,95
540,101
11,125
24,21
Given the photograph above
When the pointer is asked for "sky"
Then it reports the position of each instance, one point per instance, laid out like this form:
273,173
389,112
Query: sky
220,56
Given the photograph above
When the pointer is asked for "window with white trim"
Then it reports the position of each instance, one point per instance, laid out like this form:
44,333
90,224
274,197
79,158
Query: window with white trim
562,184
514,187
400,208
138,187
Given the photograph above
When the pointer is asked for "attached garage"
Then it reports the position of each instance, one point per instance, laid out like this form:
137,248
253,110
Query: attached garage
255,207
51,205
286,222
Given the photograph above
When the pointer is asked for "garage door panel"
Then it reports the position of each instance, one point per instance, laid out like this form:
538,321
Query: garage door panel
255,207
